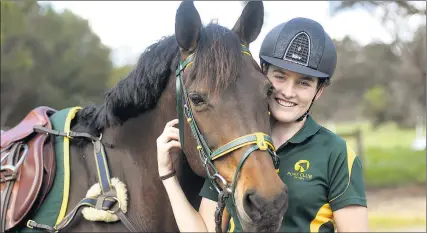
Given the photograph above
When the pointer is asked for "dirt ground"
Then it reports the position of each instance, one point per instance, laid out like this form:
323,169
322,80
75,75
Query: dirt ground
407,202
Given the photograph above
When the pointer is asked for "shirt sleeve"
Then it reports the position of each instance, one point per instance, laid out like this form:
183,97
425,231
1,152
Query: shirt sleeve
346,184
208,191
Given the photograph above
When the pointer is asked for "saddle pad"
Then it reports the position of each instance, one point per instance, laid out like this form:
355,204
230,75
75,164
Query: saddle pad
54,207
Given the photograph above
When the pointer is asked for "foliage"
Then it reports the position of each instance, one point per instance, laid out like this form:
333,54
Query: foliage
374,104
119,73
397,68
404,7
48,58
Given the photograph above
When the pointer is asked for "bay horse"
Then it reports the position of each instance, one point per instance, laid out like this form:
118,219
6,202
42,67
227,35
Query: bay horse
208,76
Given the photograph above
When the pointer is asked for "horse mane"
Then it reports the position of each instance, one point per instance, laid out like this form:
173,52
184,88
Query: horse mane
217,60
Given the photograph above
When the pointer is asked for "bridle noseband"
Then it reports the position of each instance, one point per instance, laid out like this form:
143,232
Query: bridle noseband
258,141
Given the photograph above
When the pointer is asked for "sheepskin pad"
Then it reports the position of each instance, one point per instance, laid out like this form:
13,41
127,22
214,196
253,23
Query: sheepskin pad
92,214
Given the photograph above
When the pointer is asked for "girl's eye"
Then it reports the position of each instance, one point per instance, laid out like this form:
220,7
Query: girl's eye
304,83
278,77
196,99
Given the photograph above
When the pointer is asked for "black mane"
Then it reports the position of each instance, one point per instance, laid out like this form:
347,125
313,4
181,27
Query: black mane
218,60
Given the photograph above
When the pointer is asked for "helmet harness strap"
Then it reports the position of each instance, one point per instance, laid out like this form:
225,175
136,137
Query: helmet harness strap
311,104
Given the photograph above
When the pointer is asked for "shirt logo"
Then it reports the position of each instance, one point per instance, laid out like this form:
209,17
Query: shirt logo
300,170
302,166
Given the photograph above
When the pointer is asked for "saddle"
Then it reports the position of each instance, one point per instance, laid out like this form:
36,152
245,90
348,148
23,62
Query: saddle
27,167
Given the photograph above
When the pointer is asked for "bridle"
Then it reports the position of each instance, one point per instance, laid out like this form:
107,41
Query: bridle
258,141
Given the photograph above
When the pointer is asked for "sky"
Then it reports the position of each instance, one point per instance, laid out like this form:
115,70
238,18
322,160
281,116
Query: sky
128,27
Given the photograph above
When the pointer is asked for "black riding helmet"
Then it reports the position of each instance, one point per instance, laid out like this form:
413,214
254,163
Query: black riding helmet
300,45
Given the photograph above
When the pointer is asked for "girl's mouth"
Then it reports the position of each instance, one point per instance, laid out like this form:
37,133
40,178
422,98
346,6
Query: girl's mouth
285,103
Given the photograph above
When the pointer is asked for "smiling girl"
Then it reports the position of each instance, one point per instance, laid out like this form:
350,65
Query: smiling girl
324,176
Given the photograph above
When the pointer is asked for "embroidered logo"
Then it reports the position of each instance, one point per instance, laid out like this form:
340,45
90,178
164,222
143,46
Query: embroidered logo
300,170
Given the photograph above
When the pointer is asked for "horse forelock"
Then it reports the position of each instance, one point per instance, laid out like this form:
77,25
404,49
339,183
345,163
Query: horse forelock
218,58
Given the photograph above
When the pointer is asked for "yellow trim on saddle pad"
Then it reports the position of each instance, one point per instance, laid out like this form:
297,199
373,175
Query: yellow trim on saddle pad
71,114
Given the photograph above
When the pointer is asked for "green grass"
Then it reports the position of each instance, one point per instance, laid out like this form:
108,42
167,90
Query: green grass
386,136
388,157
394,166
393,222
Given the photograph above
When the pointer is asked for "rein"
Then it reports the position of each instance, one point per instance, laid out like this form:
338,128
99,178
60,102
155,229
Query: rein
258,141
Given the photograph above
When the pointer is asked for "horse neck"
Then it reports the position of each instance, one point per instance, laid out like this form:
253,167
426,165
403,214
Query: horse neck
136,138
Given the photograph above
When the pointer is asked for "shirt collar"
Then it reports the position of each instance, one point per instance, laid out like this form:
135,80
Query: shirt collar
310,128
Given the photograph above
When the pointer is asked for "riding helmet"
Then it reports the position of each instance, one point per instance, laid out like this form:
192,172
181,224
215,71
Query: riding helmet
300,45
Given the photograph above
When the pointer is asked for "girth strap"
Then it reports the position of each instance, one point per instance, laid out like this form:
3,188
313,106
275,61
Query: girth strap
102,167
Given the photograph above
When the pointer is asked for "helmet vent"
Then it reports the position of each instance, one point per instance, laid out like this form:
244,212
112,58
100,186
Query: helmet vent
298,50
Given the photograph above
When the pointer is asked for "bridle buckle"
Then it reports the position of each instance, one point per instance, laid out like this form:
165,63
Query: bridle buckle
260,141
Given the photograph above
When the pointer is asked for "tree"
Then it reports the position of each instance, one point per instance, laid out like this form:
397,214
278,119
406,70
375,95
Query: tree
17,58
119,73
399,67
48,58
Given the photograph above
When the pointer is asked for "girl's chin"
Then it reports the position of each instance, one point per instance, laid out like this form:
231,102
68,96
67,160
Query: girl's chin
286,117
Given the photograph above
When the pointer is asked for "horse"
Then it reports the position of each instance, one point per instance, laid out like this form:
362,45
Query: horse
206,77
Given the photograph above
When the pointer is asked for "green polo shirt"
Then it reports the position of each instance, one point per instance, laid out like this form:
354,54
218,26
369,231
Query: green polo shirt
323,174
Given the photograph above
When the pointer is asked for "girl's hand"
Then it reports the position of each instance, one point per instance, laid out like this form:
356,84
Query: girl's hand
168,143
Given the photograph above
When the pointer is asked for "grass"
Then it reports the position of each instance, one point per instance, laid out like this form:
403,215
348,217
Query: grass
394,166
388,157
393,222
386,136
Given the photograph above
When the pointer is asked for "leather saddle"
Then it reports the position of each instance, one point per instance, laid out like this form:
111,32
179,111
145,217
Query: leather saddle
27,167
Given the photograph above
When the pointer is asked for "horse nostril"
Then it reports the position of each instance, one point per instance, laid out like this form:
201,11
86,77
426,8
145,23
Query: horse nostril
281,202
252,204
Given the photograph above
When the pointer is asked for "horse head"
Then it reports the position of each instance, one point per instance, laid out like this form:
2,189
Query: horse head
222,99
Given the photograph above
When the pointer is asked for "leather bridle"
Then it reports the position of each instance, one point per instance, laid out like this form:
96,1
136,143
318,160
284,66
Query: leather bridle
256,141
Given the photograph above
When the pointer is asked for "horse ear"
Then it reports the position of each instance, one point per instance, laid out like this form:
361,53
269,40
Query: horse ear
250,22
187,26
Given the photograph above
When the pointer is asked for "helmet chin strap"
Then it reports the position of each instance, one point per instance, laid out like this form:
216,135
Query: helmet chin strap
308,110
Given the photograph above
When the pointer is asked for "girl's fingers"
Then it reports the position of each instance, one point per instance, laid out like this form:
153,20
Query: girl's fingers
171,123
172,130
170,135
173,144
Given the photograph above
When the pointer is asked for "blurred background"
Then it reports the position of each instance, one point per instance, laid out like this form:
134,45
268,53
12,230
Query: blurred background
69,53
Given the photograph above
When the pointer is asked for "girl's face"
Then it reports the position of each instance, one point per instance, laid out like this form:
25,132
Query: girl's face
292,95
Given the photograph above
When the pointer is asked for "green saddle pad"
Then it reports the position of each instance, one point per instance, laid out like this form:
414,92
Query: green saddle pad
54,207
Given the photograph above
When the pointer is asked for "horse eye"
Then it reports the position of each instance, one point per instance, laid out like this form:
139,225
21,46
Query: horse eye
196,99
